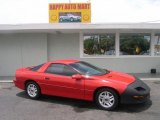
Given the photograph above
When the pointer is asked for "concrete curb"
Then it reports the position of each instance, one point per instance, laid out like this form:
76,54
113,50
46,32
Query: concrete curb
150,79
6,81
144,79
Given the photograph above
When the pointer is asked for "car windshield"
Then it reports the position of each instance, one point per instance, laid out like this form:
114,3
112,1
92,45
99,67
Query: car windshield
88,69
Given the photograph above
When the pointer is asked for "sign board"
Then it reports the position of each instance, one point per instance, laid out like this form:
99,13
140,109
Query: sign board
69,12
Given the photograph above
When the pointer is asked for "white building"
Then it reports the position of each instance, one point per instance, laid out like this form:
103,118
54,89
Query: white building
131,48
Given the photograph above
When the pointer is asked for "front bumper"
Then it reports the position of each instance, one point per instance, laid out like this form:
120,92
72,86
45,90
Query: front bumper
136,92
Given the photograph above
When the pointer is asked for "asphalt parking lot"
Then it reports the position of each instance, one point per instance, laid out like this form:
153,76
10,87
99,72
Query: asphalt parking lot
15,105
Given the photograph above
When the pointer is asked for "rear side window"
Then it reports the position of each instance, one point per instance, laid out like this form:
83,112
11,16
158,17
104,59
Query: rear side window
60,69
35,68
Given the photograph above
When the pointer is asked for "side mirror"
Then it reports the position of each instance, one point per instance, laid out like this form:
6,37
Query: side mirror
77,76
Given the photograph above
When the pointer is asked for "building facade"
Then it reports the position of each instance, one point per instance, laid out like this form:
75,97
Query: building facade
130,48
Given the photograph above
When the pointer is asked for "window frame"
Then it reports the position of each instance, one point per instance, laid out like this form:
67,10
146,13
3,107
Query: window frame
156,34
117,43
95,56
135,55
60,74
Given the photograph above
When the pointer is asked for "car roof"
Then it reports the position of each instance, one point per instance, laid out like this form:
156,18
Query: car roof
67,61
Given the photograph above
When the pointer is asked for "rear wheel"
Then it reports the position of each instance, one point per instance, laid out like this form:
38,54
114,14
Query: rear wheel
33,90
106,99
61,20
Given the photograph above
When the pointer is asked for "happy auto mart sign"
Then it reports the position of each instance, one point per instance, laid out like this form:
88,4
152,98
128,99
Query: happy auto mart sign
69,12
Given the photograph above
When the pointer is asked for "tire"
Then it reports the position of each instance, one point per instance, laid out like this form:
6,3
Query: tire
61,20
71,19
106,99
33,90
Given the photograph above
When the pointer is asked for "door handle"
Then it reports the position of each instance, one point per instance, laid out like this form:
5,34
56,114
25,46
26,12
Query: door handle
47,78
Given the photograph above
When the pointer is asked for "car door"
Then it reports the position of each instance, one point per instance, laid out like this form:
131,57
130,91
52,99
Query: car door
58,81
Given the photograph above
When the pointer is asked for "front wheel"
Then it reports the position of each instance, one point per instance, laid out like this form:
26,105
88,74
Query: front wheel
106,99
71,19
33,90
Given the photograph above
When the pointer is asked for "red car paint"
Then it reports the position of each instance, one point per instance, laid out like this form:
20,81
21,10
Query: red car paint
66,86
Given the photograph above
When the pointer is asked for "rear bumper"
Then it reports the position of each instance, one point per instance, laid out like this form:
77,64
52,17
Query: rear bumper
19,84
15,82
137,92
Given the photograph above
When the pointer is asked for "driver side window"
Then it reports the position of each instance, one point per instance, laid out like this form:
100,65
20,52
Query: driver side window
60,69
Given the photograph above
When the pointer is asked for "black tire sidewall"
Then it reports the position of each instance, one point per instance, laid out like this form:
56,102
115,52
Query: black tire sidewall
112,92
38,90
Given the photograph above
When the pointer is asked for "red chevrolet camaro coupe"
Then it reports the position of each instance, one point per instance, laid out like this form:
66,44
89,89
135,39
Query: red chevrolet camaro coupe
81,80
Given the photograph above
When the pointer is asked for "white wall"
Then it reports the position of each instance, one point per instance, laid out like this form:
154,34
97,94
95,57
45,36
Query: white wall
65,46
20,50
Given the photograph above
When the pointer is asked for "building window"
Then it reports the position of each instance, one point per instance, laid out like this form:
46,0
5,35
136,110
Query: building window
102,44
157,45
135,44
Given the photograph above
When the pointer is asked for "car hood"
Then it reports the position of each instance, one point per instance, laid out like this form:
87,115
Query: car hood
117,77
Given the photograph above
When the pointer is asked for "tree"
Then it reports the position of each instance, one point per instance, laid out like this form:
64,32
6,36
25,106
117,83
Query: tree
134,45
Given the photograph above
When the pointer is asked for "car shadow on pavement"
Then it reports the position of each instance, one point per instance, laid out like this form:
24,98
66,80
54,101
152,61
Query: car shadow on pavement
82,106
134,108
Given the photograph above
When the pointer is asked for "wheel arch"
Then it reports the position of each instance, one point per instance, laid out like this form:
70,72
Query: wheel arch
96,90
29,80
38,93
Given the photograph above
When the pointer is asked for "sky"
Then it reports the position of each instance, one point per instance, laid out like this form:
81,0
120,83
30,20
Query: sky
103,11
